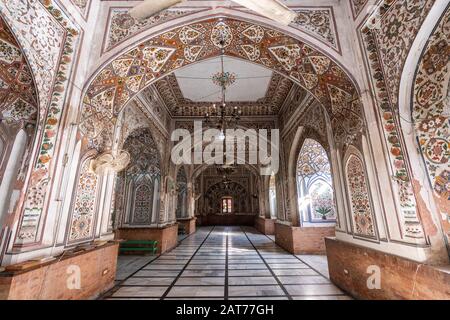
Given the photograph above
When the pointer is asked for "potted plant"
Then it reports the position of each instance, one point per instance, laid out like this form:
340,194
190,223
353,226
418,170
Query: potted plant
323,211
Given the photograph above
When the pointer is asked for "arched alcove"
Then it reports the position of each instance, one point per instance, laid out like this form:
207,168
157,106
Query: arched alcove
314,184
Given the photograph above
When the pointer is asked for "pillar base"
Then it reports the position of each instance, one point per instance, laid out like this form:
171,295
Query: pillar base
167,236
188,225
350,268
302,240
265,226
51,280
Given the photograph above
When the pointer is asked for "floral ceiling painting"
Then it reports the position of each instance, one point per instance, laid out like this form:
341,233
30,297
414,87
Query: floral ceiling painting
18,97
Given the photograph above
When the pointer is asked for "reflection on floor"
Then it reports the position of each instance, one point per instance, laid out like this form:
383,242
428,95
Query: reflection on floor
230,263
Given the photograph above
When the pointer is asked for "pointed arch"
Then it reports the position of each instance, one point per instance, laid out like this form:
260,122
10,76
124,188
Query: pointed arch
363,220
129,73
314,183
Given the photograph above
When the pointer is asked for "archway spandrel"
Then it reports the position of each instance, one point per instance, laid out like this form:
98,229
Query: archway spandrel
133,71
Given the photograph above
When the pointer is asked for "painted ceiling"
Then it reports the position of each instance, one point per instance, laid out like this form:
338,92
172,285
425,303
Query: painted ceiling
197,81
269,89
128,74
18,99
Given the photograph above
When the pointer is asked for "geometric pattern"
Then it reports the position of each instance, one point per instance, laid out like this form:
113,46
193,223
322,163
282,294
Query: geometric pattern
121,26
138,180
84,206
387,48
18,99
143,202
121,79
363,221
178,106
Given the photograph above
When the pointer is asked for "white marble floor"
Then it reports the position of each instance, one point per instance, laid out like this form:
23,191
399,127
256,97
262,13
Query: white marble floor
225,263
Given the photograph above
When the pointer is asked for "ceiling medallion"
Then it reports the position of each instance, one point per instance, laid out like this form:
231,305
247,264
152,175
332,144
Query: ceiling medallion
224,79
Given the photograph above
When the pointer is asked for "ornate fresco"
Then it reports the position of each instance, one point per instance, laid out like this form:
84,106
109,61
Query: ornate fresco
84,207
387,49
431,100
126,75
357,6
121,26
52,41
363,221
18,97
82,5
31,19
318,22
178,106
136,185
431,103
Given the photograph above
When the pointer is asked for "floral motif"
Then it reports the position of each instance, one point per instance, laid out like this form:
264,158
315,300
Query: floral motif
357,6
18,99
224,79
431,98
84,204
45,29
363,222
310,68
319,23
387,48
121,26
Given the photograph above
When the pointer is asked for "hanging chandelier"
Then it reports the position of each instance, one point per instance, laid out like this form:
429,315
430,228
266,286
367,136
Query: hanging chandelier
221,116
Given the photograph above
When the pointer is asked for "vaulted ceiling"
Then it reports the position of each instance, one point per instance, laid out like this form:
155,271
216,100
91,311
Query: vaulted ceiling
192,91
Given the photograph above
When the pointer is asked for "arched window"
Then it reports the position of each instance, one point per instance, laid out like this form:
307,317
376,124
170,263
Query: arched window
273,197
314,184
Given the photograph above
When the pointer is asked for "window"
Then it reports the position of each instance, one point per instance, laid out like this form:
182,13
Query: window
314,184
227,205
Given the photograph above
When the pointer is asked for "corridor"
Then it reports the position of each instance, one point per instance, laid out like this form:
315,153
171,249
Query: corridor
231,263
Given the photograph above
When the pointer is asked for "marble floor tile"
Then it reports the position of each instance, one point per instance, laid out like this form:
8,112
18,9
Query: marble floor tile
295,272
238,281
148,282
310,289
251,264
304,280
219,281
156,273
255,291
199,291
249,273
148,292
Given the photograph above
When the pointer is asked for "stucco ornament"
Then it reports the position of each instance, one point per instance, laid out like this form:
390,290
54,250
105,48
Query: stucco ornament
107,161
